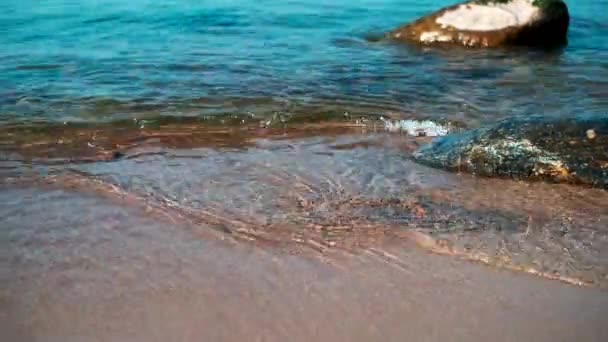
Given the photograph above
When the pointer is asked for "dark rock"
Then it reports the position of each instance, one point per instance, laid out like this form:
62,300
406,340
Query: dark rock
117,155
572,149
491,23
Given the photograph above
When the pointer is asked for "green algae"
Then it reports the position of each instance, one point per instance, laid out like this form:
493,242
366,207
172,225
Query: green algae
555,149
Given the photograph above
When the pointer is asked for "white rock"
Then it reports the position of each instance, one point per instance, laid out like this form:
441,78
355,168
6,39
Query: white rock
489,17
491,24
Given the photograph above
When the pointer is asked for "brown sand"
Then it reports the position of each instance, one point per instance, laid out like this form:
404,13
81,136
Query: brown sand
121,276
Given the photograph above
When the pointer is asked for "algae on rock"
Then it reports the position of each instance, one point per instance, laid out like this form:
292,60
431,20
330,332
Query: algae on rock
557,149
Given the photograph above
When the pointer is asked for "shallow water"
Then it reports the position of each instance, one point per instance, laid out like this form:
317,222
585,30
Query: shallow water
318,188
189,91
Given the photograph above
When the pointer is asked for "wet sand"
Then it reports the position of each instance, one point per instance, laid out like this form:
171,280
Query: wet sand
299,237
132,278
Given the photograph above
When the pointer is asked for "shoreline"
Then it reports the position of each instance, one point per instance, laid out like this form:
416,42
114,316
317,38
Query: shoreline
326,235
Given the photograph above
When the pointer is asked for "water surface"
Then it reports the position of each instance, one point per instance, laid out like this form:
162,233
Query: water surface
177,169
66,60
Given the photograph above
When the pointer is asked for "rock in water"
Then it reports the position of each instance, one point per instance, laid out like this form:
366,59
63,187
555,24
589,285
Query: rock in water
572,149
491,23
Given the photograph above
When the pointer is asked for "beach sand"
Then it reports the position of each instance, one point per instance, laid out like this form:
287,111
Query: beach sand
328,236
113,273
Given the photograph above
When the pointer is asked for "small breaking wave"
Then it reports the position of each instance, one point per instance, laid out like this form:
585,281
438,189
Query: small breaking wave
417,128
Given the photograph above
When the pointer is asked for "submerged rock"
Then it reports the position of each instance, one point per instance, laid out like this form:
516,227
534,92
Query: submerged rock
491,23
572,149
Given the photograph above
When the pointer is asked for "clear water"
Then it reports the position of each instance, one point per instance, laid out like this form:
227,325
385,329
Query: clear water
102,225
107,60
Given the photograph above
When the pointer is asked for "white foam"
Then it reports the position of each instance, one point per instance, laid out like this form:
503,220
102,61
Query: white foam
416,127
489,17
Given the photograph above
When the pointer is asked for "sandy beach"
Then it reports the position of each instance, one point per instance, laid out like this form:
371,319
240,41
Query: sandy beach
294,247
135,279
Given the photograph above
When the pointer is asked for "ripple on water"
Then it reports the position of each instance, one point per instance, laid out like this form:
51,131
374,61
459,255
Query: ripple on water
337,188
301,53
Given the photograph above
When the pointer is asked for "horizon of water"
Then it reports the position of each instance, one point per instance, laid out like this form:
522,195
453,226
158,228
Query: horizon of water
97,61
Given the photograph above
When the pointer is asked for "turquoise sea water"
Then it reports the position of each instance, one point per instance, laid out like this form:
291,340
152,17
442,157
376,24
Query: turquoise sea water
106,60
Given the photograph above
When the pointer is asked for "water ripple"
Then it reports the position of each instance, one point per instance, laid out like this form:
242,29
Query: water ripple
65,53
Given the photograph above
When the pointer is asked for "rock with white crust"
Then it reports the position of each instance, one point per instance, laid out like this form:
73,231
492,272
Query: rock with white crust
491,23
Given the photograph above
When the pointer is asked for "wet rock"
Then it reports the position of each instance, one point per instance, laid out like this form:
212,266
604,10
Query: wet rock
117,155
532,147
491,23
